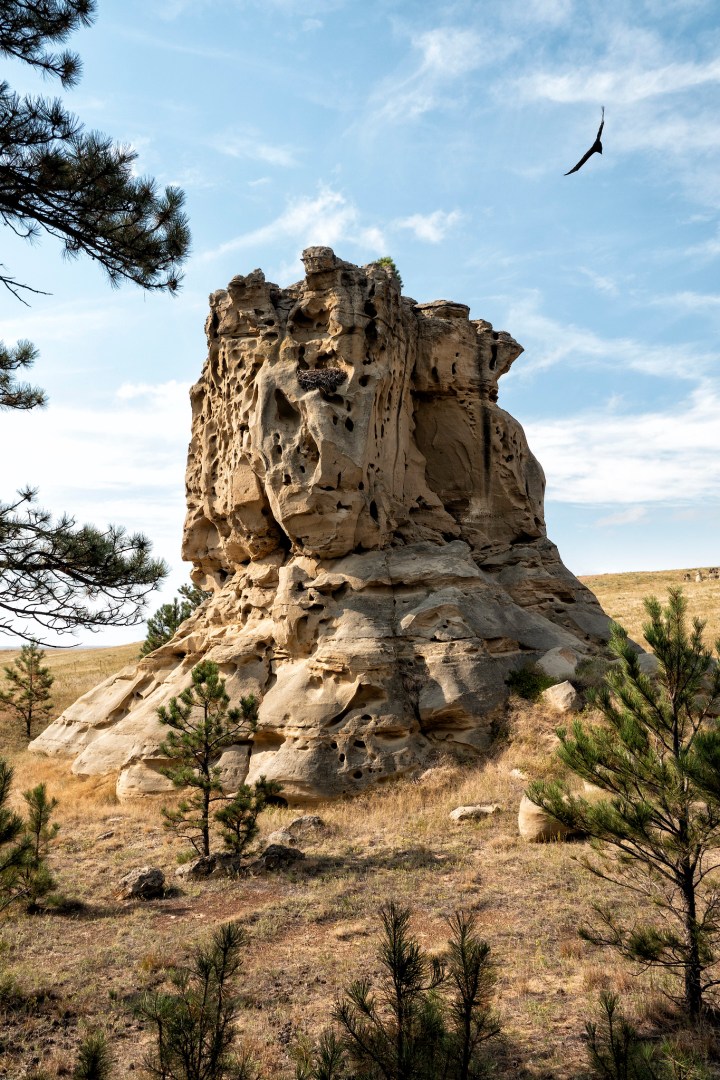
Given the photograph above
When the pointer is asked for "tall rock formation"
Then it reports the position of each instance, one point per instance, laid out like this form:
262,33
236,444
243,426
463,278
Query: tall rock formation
370,524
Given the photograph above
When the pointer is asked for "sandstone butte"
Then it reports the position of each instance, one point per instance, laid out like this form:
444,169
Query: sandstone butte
370,524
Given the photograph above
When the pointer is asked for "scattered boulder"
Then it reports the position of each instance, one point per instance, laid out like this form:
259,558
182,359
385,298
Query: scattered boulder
147,883
563,698
436,774
648,663
559,663
221,864
306,823
276,857
281,836
474,813
537,827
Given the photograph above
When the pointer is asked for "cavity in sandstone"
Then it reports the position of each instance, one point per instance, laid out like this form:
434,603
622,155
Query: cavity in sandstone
370,524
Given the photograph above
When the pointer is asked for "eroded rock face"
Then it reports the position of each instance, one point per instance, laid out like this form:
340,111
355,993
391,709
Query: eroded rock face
370,524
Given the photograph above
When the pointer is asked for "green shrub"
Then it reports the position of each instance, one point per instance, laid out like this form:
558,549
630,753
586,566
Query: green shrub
529,682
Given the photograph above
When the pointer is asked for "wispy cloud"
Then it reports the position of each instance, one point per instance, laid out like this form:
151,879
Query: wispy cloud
631,516
432,227
664,456
618,84
326,218
549,342
443,55
690,301
250,146
601,282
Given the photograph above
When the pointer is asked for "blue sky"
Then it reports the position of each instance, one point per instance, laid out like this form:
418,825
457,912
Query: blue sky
438,134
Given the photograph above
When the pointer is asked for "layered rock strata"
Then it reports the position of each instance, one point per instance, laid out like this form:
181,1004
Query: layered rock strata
370,524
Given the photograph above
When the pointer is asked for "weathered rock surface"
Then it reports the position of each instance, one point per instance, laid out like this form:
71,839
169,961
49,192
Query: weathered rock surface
370,523
537,827
563,697
474,813
146,883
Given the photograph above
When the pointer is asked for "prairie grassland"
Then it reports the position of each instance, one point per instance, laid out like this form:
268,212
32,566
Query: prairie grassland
75,672
313,928
622,595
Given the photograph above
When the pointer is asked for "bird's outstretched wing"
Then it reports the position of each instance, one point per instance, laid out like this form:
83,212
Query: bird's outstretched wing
582,161
596,147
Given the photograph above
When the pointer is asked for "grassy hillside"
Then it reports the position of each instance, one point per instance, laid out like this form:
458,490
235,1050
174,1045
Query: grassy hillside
621,595
313,928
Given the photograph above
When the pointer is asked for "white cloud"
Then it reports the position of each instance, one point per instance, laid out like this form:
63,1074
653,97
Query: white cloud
630,516
598,457
121,461
618,84
326,218
602,283
249,145
548,342
445,54
448,51
68,322
430,227
690,301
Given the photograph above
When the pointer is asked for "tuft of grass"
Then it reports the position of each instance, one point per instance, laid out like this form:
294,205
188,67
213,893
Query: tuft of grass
529,682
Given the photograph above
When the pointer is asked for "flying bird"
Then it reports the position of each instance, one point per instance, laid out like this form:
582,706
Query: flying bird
596,147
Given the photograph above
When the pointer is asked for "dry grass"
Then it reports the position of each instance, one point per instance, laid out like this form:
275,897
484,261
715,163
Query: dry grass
75,672
622,595
313,928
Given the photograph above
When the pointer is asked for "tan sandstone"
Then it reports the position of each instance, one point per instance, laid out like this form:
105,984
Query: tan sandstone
370,524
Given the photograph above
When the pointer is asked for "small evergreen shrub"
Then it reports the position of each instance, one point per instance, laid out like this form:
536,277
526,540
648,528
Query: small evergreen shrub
529,682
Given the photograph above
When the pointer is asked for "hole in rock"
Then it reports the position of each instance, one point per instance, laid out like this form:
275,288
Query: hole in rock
371,332
285,410
286,479
370,309
361,486
360,743
364,380
341,757
357,775
276,800
349,424
374,511
333,746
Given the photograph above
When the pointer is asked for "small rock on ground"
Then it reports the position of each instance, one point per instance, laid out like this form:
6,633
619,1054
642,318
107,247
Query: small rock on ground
306,823
562,698
147,883
276,857
474,813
